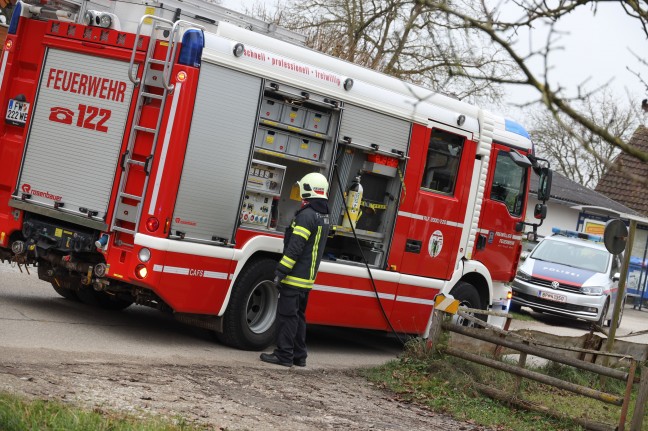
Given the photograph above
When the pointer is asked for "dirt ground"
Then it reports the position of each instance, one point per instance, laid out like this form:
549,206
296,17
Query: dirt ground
221,396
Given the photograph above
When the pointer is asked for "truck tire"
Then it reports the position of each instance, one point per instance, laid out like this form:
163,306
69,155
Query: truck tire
65,292
104,300
467,296
250,320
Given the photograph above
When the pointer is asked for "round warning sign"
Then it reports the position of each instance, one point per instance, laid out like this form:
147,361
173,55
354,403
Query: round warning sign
436,243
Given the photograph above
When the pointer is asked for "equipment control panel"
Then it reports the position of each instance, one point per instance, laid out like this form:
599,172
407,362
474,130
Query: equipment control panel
265,177
263,189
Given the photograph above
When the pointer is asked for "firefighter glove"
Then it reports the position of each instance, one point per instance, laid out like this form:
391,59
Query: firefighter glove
278,277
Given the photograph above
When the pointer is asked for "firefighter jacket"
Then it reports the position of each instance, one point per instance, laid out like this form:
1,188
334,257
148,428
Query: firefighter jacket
304,244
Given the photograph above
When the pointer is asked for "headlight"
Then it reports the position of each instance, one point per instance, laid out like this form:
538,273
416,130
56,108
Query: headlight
144,255
522,275
105,21
88,18
592,290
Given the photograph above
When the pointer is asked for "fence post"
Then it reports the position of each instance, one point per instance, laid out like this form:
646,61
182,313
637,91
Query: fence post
640,403
522,364
628,394
442,304
435,330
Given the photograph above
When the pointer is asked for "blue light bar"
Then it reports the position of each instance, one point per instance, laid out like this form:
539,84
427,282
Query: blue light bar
575,234
513,127
15,17
193,42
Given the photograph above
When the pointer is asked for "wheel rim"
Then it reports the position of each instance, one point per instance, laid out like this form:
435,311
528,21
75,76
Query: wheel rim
261,307
462,321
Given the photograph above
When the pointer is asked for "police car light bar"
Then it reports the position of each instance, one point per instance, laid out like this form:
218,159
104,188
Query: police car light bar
575,234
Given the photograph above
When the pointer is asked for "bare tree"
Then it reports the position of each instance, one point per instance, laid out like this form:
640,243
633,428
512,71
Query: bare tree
572,149
469,48
566,108
402,38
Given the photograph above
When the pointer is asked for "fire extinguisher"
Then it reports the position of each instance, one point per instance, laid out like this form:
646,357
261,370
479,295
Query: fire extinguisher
353,201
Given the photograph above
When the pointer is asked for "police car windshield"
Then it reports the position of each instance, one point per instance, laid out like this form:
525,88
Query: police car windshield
575,255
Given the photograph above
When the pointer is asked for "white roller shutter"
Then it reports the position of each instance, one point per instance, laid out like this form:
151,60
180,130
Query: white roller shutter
76,132
365,127
218,153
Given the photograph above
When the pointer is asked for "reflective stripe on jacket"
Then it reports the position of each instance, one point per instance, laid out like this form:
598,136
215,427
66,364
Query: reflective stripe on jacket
303,247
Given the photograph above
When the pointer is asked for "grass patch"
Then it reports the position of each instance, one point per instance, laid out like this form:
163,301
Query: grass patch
19,414
522,315
447,384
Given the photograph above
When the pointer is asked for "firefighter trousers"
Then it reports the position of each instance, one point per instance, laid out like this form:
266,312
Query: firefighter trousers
291,324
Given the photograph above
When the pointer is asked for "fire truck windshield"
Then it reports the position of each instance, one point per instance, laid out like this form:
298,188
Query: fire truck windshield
509,184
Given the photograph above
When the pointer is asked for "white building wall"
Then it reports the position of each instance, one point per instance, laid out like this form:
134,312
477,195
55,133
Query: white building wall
558,215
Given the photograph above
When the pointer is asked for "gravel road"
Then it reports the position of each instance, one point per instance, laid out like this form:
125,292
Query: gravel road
143,362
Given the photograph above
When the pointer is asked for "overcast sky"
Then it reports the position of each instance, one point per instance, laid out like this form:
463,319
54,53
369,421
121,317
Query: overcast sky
596,48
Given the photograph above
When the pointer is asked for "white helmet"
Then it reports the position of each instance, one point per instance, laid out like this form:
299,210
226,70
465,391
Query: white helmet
313,185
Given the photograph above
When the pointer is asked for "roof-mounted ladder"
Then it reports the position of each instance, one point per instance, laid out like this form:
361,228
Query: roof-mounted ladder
128,207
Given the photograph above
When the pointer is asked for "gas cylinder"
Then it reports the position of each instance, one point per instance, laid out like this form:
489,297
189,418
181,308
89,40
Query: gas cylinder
353,201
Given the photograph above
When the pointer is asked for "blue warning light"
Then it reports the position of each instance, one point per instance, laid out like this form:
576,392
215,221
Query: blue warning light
193,42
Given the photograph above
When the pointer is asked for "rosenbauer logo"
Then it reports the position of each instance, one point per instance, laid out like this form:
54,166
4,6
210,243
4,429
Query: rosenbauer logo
178,220
47,195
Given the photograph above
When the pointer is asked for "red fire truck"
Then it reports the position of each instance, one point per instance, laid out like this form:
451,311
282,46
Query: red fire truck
149,153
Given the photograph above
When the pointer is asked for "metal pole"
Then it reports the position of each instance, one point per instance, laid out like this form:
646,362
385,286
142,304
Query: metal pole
643,276
621,290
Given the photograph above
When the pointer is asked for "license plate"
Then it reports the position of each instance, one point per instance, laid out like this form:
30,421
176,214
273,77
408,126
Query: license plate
553,296
17,112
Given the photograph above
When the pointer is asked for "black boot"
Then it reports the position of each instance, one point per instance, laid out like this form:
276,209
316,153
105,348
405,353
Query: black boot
271,358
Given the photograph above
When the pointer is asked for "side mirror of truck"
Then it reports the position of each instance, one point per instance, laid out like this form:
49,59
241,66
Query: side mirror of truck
616,276
540,211
544,185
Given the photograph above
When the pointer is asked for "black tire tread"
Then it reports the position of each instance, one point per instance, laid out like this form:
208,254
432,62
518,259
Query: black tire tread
235,332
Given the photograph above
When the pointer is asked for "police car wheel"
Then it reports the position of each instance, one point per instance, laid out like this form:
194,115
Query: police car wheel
603,320
250,320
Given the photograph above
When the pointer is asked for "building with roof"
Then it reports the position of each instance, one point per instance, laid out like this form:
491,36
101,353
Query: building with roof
630,190
566,209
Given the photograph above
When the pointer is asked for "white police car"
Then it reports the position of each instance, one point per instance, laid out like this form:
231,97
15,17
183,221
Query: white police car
571,274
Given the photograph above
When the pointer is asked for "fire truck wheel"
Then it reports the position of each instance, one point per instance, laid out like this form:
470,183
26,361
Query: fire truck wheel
65,292
104,300
467,296
249,322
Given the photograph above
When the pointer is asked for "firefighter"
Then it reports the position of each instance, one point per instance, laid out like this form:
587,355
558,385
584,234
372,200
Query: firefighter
295,273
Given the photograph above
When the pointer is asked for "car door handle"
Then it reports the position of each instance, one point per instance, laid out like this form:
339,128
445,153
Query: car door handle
413,246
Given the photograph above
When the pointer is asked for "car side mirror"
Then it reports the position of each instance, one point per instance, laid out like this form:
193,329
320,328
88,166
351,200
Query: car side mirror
540,211
616,276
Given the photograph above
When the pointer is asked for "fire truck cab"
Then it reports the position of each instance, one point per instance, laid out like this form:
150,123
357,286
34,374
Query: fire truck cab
150,154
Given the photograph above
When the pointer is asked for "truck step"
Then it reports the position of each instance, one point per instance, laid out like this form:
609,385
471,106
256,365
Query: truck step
135,162
123,230
129,196
156,61
152,95
144,129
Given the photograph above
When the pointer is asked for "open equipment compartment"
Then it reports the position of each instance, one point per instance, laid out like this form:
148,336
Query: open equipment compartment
296,130
372,149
